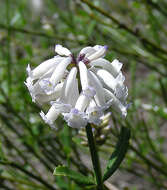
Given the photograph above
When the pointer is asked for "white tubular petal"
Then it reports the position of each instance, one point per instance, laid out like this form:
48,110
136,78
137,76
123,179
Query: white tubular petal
30,86
61,107
99,96
82,102
46,85
29,83
43,98
92,104
54,111
116,65
74,94
116,102
58,87
89,92
59,71
69,87
121,91
83,75
29,72
50,123
87,51
75,119
37,88
59,49
101,63
43,86
99,53
94,113
51,116
107,78
48,74
120,78
98,47
105,64
44,67
34,89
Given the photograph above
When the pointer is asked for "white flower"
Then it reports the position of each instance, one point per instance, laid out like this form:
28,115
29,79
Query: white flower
87,51
113,68
75,118
65,102
100,52
99,96
108,80
44,67
60,50
44,98
94,113
117,104
70,92
49,84
81,89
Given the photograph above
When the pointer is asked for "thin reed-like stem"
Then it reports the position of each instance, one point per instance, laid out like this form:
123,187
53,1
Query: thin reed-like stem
94,157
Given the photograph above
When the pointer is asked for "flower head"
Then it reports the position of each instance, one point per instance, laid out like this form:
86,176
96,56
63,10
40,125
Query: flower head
80,89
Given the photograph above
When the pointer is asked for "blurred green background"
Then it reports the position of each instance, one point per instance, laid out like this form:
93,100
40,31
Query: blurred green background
136,34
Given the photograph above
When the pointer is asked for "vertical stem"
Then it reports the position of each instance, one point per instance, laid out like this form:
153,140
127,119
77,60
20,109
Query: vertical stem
94,157
8,56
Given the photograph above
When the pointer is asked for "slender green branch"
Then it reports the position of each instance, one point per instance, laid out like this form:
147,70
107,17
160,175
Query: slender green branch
157,153
5,119
79,165
6,187
149,162
41,34
12,110
37,178
143,40
20,181
157,7
94,156
133,55
20,153
163,90
50,156
144,158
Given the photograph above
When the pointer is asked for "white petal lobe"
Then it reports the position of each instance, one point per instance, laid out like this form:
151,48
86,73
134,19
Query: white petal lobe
59,71
45,66
59,49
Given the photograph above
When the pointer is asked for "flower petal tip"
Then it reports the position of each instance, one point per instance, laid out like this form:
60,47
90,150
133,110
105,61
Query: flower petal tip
49,122
106,47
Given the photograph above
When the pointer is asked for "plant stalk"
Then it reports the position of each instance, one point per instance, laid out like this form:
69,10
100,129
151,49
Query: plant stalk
94,157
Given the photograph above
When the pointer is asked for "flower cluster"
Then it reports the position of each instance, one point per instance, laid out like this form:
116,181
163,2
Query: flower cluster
80,89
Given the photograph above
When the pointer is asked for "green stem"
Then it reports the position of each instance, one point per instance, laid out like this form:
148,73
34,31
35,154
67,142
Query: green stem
142,39
35,177
94,157
8,56
24,182
34,33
